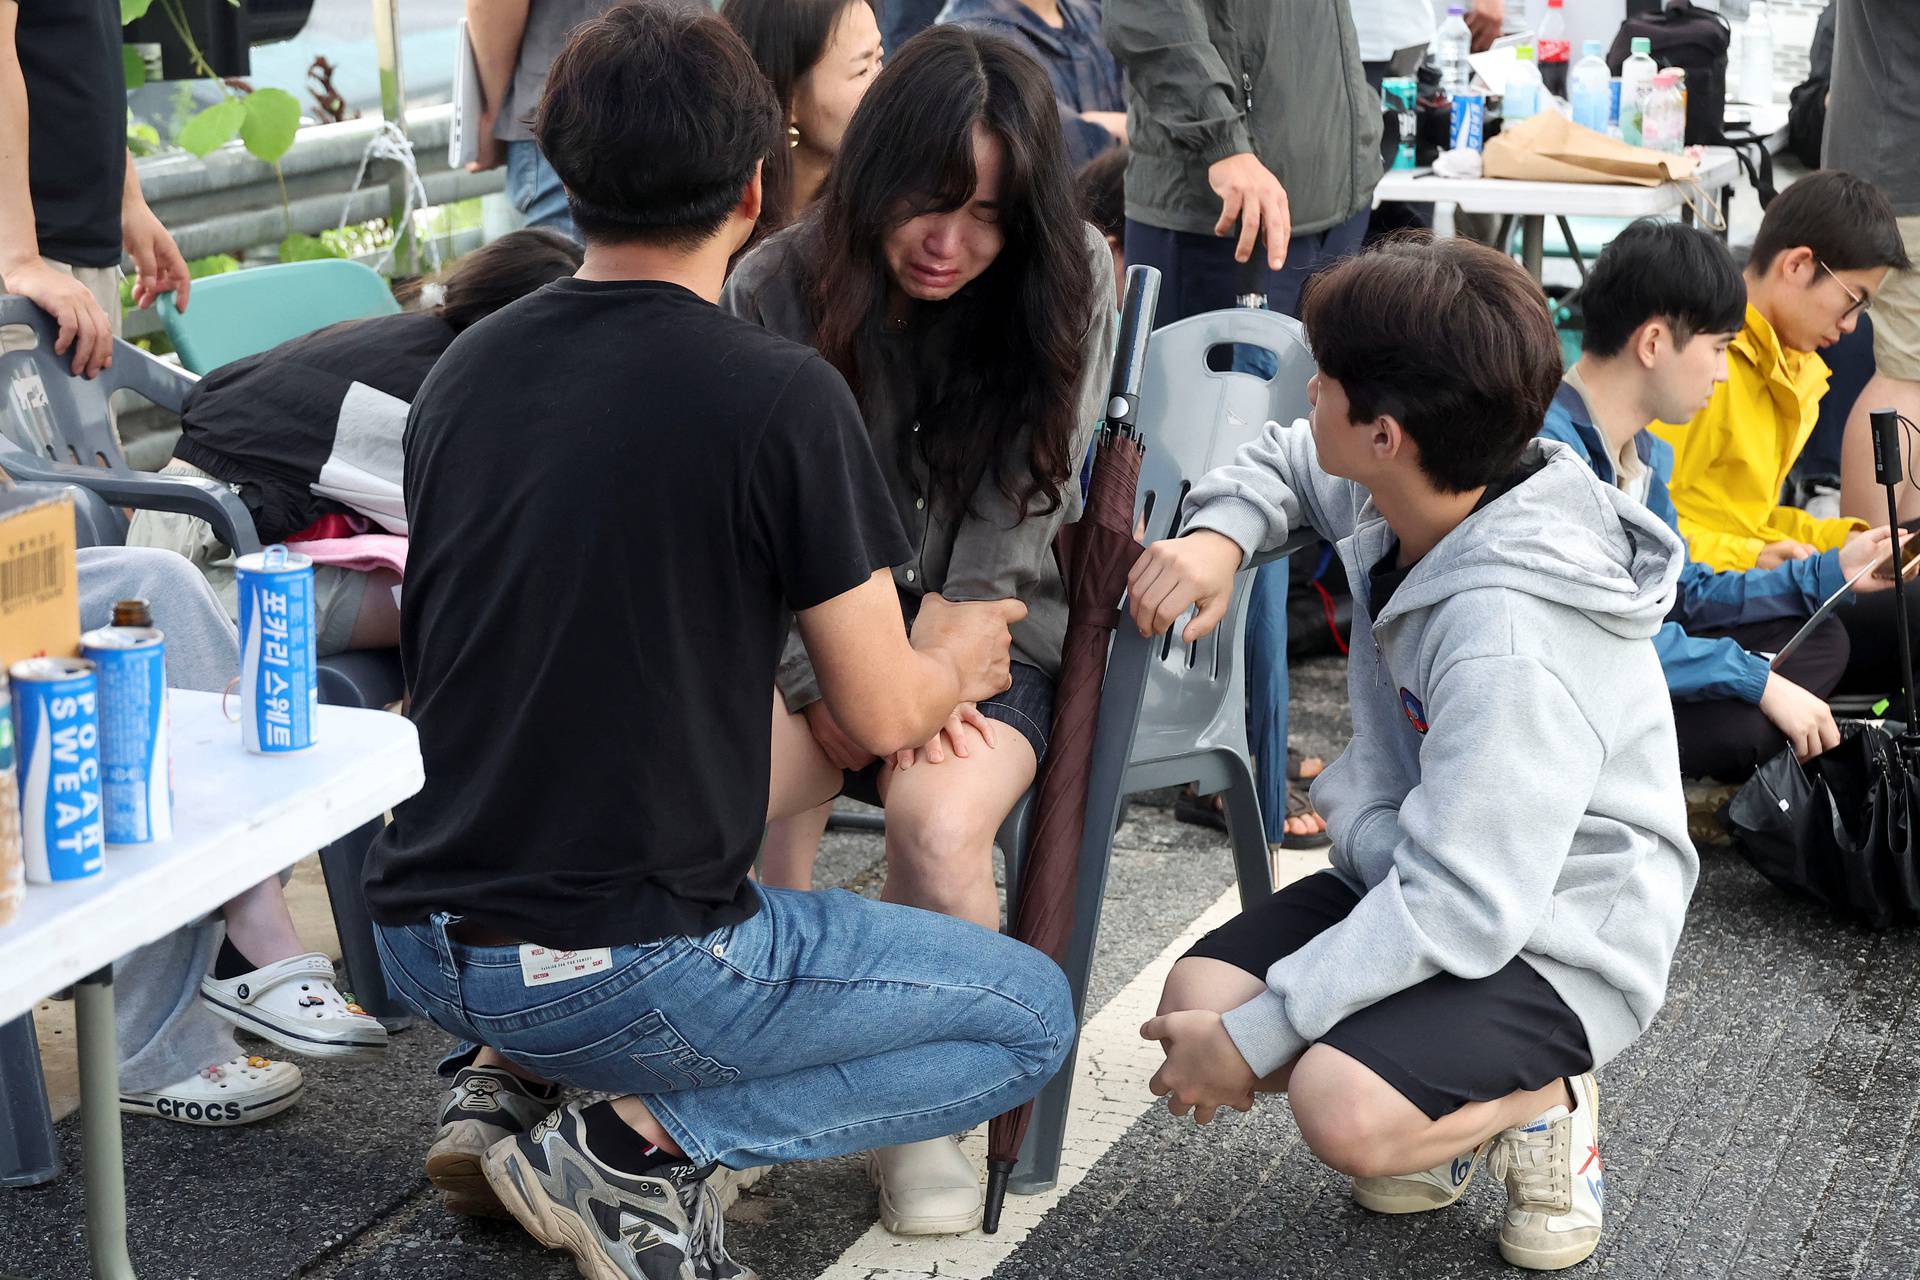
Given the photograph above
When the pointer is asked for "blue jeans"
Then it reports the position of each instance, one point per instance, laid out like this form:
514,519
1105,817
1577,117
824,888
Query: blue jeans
825,1024
1198,275
535,189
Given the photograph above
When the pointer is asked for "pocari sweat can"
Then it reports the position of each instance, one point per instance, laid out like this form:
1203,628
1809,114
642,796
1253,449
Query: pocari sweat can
279,693
56,705
136,757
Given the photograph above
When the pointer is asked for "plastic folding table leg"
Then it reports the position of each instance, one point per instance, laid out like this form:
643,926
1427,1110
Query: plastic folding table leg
100,1127
28,1154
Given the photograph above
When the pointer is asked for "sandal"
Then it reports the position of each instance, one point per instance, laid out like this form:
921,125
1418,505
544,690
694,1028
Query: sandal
1297,764
1199,811
294,1003
1299,805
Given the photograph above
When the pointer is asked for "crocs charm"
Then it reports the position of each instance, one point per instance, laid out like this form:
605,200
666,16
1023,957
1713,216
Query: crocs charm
1416,714
259,1064
309,1002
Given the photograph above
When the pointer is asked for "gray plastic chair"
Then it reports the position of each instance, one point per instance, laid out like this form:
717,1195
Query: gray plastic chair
1172,714
56,429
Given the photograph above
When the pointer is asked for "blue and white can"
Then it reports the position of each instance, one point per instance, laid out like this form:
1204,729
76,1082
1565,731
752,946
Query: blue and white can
56,707
136,755
1467,129
279,690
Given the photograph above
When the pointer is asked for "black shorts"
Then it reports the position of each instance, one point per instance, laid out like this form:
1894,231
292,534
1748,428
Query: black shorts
1442,1043
1027,706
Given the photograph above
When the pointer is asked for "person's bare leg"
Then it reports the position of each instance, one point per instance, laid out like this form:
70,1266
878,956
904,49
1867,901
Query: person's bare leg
1353,1120
800,791
941,820
259,925
1359,1124
377,625
1861,496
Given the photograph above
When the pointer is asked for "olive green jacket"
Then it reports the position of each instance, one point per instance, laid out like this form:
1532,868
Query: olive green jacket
1207,79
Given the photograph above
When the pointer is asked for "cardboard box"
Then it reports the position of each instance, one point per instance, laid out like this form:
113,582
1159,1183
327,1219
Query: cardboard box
39,584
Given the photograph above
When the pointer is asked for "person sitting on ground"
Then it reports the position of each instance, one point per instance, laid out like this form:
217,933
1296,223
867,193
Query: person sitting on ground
820,55
1662,304
179,999
310,430
1064,37
590,632
1511,867
1823,248
947,273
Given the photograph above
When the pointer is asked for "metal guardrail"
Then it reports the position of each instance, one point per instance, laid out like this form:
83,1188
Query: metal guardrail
231,202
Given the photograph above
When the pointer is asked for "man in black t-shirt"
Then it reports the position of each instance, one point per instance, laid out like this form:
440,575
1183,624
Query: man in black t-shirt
69,197
620,498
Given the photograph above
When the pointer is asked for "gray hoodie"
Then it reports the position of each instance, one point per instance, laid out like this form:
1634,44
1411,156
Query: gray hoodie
1513,784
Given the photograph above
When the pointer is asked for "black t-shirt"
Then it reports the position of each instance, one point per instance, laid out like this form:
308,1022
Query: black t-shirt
76,126
617,494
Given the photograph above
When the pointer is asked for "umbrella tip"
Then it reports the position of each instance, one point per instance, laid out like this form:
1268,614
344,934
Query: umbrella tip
997,1174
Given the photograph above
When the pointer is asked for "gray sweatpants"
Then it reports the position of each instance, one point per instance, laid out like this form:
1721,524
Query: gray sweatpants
165,1032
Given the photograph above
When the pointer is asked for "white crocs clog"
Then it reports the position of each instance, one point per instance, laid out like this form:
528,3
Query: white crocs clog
294,1003
238,1091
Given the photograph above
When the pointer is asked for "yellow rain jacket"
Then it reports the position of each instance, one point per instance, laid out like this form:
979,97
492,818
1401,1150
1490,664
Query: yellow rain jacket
1730,462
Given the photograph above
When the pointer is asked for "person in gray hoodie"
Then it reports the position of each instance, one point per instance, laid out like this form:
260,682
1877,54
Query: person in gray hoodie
1511,867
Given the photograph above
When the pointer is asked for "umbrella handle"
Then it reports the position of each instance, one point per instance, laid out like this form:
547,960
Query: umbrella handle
1130,352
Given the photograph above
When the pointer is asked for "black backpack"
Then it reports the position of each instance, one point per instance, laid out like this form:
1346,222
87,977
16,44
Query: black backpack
1696,41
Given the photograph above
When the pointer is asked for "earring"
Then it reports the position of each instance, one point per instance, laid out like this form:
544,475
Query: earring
793,136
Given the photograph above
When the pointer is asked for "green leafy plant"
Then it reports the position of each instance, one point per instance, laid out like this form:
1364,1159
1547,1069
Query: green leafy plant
265,120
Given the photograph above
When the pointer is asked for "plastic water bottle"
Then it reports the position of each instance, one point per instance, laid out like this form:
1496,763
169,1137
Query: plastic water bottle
1524,93
1636,86
1552,49
1592,94
1665,124
1756,55
1452,45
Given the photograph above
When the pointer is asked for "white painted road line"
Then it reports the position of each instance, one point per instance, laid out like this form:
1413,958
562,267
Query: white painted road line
1109,1094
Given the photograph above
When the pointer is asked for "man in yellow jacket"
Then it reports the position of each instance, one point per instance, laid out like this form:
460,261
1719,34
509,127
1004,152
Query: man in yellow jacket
1823,249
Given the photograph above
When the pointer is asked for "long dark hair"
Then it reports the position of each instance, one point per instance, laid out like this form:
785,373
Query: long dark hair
786,38
1021,345
501,271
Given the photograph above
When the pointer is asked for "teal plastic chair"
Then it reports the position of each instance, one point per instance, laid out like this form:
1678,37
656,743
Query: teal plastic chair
242,313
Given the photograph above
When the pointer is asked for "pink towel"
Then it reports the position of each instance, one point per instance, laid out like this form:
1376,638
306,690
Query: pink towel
365,552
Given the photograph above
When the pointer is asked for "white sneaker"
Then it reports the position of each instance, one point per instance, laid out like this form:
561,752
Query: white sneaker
238,1091
294,1003
1555,1184
927,1188
1434,1188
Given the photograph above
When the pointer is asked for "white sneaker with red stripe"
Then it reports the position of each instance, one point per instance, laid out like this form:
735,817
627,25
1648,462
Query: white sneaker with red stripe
1422,1192
1555,1183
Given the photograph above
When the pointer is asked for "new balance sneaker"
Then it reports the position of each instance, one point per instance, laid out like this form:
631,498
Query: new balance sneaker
484,1105
1555,1184
238,1091
1434,1188
660,1225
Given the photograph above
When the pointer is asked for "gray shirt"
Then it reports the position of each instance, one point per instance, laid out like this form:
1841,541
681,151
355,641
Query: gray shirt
989,552
1873,113
549,23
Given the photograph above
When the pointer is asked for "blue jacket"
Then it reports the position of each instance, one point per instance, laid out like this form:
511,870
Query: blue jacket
1699,668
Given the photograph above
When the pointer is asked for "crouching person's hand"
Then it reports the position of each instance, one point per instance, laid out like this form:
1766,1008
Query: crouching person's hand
975,636
1204,1070
1805,719
1177,574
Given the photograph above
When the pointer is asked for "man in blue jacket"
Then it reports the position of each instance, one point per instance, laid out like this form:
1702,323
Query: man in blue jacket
1662,304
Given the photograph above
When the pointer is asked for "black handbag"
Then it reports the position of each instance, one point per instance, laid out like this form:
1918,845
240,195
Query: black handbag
1839,829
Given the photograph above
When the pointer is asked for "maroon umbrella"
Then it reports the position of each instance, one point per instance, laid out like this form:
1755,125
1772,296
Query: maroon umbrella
1099,550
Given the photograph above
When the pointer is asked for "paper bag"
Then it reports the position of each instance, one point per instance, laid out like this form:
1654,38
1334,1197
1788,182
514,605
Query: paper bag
1551,148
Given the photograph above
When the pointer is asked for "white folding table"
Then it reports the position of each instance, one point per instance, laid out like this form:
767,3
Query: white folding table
1534,202
238,818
